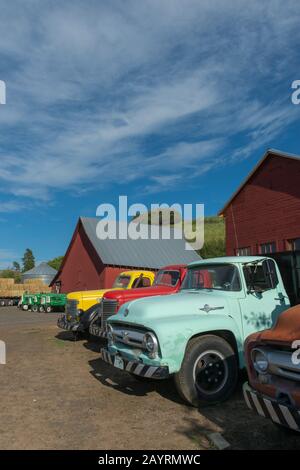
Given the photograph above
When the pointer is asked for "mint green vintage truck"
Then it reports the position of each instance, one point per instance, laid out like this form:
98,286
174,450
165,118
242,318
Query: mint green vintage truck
197,335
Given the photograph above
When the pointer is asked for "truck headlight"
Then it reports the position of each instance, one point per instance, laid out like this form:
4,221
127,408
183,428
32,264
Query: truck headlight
79,315
260,361
150,344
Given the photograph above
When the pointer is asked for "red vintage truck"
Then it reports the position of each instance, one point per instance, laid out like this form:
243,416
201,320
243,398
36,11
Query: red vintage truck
273,365
168,280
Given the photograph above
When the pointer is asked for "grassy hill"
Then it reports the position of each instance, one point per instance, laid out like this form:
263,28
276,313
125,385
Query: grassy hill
214,237
214,232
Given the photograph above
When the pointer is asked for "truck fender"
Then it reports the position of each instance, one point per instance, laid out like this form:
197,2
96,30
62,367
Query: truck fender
89,315
174,345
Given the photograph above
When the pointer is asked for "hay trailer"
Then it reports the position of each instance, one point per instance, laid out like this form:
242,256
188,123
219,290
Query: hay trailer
10,292
9,301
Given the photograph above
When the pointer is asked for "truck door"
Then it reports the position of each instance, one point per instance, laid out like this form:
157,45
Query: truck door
265,297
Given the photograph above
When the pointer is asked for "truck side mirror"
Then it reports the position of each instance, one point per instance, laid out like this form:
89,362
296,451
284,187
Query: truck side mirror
269,269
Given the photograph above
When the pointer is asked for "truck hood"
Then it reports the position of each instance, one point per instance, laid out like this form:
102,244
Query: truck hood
144,311
88,294
286,330
132,294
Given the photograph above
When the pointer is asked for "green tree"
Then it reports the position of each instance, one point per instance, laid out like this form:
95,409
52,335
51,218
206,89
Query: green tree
28,260
7,273
56,262
10,273
16,266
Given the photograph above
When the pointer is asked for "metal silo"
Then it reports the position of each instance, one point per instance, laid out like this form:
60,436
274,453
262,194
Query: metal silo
43,272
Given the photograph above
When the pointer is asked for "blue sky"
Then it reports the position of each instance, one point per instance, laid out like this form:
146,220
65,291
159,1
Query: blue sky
163,101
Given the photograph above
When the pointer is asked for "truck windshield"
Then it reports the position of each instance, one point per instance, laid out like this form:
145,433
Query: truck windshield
122,282
167,278
214,276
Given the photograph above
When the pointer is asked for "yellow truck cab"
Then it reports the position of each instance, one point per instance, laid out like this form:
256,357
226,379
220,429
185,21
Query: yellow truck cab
126,280
83,301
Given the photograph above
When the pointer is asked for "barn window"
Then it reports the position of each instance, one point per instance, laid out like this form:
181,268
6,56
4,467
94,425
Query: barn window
246,251
266,248
293,245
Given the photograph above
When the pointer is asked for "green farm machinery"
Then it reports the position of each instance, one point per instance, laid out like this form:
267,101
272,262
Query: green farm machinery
43,302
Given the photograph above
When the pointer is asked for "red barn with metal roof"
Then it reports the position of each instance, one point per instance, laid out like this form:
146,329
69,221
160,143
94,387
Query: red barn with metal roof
92,263
263,215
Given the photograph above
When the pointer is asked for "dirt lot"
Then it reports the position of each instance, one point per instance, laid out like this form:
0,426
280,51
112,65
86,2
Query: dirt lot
58,394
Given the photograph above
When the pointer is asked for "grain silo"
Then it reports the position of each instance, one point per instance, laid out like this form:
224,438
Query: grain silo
42,272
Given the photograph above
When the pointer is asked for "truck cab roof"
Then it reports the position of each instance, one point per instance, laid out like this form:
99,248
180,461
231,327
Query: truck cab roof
154,289
227,259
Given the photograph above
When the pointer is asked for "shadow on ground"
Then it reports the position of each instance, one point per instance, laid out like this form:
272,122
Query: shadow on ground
242,428
65,336
131,384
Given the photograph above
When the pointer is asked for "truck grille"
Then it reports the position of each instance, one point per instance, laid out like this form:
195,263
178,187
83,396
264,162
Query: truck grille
109,307
129,336
71,307
281,364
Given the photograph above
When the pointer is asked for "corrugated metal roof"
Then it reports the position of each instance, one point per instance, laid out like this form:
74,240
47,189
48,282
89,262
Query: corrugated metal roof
42,269
138,253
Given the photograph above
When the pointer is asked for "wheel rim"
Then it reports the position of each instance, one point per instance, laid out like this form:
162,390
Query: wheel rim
210,372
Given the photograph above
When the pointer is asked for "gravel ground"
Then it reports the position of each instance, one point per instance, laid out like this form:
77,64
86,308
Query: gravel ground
58,394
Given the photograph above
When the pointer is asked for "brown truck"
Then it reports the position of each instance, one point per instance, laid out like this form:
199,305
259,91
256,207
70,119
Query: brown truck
273,365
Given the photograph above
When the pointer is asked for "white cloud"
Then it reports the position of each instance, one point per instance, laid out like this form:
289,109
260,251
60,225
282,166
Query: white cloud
155,90
11,206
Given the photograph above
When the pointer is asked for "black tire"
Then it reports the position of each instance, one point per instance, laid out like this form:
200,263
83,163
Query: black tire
48,309
34,308
209,371
41,309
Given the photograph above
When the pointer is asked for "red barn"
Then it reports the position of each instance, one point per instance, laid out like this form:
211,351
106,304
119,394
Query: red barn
91,263
263,215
